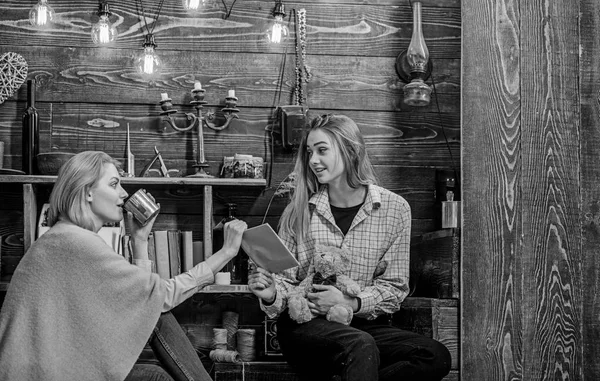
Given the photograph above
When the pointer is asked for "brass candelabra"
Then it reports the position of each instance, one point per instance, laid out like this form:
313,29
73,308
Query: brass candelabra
199,120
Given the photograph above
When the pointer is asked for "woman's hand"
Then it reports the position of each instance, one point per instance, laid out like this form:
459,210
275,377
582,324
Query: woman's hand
136,230
324,297
232,236
262,284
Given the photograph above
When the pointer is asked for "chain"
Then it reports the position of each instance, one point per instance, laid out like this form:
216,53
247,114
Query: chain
302,71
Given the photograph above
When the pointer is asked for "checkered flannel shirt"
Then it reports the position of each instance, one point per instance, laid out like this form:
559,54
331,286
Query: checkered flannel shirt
380,233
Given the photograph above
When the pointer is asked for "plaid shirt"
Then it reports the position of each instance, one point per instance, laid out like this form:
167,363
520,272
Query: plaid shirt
379,234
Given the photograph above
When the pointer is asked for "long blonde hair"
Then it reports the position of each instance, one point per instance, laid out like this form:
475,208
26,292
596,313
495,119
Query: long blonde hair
346,136
75,178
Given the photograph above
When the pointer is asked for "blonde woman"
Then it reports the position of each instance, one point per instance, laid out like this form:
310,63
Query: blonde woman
77,310
336,202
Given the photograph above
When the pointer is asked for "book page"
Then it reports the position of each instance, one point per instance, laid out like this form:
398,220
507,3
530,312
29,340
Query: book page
266,249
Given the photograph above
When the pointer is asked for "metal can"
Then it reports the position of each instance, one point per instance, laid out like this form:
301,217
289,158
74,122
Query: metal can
141,205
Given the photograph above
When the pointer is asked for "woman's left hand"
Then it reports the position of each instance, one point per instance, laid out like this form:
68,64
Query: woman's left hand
324,297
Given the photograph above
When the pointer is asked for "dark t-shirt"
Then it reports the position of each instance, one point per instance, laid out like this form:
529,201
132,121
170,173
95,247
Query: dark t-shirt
344,216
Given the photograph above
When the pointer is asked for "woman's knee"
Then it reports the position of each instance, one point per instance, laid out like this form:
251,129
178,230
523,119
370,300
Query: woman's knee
364,345
441,359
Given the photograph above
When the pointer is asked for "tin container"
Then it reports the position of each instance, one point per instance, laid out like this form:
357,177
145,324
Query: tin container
141,205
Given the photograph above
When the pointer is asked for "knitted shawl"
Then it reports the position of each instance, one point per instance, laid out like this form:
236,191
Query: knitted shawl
76,310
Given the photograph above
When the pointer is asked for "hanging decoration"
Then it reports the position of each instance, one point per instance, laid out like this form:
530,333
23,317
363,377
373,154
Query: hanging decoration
302,70
148,63
103,32
13,73
41,14
277,32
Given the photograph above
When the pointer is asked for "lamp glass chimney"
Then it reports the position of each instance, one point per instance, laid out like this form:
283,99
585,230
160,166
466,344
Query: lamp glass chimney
418,54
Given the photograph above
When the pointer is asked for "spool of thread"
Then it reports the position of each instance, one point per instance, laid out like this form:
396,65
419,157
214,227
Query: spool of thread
245,344
223,278
223,355
220,338
230,323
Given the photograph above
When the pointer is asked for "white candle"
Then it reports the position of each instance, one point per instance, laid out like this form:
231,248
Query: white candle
197,85
164,96
231,93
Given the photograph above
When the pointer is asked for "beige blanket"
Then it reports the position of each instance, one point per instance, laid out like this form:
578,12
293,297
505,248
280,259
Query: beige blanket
76,310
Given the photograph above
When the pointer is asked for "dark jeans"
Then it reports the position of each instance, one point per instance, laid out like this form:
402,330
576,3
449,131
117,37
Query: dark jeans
174,351
364,351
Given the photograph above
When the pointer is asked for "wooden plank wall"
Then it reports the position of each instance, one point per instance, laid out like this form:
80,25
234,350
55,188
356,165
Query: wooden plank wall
87,95
529,156
590,186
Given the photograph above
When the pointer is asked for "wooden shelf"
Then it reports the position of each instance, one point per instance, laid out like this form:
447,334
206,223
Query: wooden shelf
210,289
197,181
225,288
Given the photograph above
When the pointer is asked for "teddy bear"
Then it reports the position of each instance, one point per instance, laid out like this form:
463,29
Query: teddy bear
330,266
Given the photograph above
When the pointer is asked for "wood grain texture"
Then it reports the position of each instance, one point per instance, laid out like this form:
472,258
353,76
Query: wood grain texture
590,172
522,231
392,139
492,305
333,28
552,257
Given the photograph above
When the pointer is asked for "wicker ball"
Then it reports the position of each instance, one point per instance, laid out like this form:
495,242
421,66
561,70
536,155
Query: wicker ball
49,163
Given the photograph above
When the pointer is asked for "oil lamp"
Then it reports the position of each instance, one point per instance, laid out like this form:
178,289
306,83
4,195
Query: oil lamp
413,65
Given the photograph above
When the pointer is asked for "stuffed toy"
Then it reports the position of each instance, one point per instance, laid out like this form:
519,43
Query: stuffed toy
330,266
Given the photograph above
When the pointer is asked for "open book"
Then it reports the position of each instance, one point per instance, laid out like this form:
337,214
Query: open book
266,249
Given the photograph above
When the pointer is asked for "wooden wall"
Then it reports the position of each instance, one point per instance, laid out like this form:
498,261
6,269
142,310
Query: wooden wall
530,136
87,95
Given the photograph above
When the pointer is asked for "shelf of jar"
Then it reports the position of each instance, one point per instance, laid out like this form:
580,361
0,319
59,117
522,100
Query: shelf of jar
197,181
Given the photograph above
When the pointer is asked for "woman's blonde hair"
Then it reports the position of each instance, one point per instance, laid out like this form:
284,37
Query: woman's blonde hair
346,136
75,178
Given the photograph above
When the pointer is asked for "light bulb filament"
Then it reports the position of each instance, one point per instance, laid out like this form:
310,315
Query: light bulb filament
148,63
104,35
42,16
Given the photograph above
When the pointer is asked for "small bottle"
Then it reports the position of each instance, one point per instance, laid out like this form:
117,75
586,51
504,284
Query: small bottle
237,267
30,138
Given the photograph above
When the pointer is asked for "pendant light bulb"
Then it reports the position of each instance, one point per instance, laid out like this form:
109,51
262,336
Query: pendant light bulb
103,32
278,32
148,63
41,14
194,5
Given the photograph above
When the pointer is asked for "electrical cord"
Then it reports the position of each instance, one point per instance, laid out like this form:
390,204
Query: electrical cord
160,4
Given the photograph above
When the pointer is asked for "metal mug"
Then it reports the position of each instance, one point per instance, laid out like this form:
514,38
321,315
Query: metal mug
141,205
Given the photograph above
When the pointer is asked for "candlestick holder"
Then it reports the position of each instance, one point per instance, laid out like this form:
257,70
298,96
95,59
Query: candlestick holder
199,120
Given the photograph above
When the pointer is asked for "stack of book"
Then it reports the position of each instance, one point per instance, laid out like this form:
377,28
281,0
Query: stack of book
172,252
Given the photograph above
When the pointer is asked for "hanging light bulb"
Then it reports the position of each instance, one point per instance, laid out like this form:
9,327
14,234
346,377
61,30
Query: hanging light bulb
278,32
416,62
148,63
197,5
103,32
41,14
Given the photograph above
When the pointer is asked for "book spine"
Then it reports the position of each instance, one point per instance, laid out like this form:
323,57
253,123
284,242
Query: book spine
187,251
174,238
161,245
